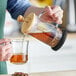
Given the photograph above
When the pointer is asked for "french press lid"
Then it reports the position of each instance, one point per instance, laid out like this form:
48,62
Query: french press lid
62,40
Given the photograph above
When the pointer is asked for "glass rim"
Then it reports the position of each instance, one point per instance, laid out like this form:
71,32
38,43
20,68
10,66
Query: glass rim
19,40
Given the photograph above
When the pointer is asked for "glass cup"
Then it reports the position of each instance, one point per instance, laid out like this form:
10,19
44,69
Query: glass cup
20,51
19,61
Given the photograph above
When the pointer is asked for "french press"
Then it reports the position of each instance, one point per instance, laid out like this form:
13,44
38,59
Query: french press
47,33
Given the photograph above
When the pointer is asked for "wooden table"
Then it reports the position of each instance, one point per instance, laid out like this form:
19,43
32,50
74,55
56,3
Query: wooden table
59,73
71,35
62,73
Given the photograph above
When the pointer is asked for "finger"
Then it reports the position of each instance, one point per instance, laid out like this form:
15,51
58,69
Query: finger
2,55
8,42
48,10
9,50
2,51
59,21
46,19
4,40
56,9
7,46
49,19
58,14
3,48
7,57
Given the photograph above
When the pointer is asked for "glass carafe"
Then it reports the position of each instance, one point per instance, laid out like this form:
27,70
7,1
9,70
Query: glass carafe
47,33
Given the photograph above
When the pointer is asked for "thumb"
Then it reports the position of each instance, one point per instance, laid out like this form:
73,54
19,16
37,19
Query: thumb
49,10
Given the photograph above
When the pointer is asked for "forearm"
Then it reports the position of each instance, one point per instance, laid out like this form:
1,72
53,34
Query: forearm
33,9
17,7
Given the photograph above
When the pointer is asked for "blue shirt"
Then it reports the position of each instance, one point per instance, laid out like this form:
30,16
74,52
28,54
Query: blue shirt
17,7
60,2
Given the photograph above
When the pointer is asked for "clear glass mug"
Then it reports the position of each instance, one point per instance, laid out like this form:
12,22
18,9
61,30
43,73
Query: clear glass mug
20,51
19,61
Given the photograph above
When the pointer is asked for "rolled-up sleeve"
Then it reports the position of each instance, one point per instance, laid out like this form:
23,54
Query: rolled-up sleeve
17,7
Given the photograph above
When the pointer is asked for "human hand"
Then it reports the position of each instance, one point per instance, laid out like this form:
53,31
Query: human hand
52,14
5,49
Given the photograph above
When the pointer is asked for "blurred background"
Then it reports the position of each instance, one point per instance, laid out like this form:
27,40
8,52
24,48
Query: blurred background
41,57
